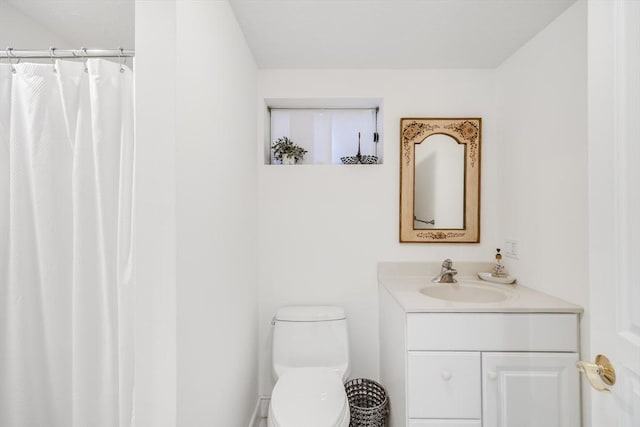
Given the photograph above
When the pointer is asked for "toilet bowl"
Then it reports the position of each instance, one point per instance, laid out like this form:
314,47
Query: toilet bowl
309,397
310,364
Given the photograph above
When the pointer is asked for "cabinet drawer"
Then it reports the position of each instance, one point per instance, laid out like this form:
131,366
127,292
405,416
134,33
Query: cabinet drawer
493,331
443,384
444,423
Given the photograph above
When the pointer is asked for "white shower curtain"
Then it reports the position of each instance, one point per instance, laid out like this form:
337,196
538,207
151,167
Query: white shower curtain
66,199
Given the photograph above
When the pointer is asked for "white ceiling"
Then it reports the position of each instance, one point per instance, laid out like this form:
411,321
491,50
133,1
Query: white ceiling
333,33
104,24
391,33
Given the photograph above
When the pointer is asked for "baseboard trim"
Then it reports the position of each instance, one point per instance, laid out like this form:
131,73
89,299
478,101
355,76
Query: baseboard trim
260,411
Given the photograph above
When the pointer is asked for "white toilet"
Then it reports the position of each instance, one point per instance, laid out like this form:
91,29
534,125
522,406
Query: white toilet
310,365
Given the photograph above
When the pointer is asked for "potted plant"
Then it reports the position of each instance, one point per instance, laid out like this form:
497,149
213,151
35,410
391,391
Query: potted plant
287,151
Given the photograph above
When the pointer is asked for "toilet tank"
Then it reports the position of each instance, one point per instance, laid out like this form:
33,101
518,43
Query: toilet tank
311,336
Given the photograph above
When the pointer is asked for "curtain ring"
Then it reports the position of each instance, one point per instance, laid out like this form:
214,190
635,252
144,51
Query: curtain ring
122,59
9,51
52,52
85,55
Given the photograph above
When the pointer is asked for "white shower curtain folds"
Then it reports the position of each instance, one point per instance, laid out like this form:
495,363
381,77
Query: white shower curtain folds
66,200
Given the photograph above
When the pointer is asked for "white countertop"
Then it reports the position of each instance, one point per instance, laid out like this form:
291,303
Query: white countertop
404,281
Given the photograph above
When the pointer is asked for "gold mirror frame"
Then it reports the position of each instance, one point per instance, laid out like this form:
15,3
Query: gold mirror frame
465,131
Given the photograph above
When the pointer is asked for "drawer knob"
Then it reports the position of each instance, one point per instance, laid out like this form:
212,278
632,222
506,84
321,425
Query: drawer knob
446,375
493,375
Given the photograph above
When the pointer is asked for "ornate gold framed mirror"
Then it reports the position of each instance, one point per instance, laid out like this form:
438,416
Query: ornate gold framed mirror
440,180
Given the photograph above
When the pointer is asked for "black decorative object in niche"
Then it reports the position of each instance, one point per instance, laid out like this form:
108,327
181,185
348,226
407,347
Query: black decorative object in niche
359,158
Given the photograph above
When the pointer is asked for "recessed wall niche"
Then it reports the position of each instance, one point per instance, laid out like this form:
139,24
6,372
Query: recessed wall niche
332,131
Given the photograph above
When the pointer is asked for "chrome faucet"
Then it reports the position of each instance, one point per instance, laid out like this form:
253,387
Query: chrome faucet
446,273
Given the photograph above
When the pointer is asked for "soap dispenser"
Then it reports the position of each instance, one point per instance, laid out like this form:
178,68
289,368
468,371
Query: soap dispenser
498,268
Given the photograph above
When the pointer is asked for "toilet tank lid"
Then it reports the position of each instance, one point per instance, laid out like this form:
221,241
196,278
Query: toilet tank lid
310,313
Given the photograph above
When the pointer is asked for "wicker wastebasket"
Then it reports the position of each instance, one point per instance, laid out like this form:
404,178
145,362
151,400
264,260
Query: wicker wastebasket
368,403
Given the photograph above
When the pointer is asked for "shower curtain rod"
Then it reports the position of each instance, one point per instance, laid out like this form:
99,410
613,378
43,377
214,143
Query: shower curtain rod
12,53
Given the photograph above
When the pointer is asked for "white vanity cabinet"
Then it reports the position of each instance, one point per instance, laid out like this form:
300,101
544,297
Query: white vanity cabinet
479,369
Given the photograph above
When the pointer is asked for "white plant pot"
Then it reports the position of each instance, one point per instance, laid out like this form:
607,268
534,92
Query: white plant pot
286,160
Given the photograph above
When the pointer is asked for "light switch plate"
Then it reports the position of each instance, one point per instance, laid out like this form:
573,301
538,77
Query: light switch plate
511,248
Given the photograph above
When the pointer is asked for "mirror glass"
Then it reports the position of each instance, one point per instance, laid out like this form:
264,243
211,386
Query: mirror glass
439,183
440,180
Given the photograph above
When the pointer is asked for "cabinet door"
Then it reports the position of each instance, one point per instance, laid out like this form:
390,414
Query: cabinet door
530,389
443,384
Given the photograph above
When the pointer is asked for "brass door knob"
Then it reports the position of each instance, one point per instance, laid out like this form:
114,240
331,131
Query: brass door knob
600,373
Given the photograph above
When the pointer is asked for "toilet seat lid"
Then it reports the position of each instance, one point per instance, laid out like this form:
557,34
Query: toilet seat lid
312,397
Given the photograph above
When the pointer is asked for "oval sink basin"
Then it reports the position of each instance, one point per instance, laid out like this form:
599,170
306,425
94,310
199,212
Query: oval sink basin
458,292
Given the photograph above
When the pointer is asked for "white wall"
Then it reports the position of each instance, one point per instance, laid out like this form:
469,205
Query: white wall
543,185
197,216
19,31
155,214
216,197
324,228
